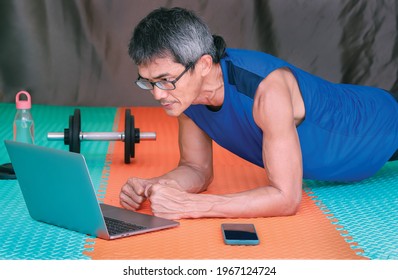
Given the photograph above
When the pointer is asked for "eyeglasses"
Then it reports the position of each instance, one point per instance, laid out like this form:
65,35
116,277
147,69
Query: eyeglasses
164,85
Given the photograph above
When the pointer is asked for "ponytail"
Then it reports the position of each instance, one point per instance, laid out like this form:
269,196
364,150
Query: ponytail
220,46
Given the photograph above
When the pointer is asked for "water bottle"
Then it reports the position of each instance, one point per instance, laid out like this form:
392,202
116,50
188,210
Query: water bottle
23,121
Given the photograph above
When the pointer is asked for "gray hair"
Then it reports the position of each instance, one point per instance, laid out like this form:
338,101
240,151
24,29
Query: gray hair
175,32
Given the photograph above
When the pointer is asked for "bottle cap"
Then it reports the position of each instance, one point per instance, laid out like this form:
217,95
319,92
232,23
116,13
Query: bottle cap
21,103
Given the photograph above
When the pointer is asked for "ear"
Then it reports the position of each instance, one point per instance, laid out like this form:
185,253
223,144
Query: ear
205,64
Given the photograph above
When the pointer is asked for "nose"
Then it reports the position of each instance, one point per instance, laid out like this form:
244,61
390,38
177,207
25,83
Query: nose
158,93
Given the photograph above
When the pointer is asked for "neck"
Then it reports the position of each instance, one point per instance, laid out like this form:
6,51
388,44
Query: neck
213,87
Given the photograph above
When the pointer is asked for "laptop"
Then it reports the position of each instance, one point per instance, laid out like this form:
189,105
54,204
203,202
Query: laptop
58,190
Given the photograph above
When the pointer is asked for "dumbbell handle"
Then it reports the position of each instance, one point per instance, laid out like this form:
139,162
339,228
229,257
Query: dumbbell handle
101,136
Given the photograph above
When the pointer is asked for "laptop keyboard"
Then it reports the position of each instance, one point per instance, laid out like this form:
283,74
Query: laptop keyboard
117,227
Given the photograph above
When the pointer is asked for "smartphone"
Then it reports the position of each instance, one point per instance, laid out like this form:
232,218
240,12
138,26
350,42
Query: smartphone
239,234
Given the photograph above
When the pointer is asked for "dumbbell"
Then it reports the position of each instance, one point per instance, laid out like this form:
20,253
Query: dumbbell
73,135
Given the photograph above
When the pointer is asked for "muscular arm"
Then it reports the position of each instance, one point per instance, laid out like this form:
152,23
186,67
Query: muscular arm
195,169
274,113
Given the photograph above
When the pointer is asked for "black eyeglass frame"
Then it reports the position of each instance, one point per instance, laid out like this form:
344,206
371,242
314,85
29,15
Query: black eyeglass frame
144,83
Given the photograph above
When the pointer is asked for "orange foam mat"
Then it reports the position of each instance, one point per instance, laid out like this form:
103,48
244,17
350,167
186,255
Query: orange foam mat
307,235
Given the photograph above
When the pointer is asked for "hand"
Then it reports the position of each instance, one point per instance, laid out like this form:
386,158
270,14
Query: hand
133,193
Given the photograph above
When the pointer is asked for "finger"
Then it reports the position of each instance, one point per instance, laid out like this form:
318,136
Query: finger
126,205
152,189
131,202
148,191
133,190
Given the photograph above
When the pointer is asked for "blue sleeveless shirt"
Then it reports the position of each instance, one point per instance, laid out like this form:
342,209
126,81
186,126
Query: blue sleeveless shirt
348,134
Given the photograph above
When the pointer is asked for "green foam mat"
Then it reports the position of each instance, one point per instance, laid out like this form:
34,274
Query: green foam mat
20,236
365,212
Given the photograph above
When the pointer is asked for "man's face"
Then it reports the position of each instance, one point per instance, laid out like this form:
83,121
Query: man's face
176,101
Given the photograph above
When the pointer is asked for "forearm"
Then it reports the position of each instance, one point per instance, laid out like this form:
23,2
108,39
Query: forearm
190,179
259,202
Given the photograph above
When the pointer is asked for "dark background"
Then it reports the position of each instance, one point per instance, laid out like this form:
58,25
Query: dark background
74,52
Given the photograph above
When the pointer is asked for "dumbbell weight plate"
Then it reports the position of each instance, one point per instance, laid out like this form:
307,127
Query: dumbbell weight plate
131,140
129,147
76,131
72,134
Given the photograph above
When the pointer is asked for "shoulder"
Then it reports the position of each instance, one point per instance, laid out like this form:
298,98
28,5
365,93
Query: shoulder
260,62
280,83
247,59
273,98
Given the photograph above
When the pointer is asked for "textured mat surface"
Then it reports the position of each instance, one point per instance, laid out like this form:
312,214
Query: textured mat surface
335,221
20,236
367,211
307,235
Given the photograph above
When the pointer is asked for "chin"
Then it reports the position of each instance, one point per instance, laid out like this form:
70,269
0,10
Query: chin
172,112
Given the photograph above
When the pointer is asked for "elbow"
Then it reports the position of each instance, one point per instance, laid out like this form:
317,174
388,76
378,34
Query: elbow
208,179
292,209
205,178
291,204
